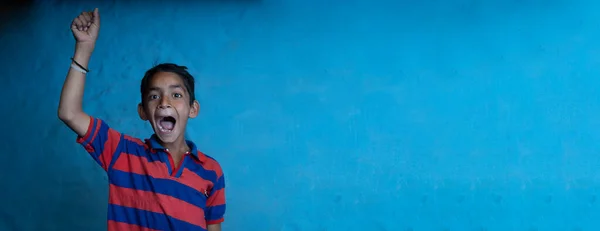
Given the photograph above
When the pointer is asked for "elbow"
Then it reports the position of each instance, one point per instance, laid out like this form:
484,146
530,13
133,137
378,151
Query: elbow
65,115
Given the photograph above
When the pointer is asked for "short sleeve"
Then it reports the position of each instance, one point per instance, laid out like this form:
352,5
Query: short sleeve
100,141
215,205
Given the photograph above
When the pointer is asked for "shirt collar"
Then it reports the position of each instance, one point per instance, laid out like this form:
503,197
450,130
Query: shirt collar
154,144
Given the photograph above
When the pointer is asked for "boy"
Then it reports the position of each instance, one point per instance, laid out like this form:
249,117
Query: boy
162,183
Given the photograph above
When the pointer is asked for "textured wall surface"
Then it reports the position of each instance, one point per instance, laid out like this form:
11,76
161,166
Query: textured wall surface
326,115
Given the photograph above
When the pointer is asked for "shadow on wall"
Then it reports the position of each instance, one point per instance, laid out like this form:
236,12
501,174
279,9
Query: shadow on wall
12,5
13,11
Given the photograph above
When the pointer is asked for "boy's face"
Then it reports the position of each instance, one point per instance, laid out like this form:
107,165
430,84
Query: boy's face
168,106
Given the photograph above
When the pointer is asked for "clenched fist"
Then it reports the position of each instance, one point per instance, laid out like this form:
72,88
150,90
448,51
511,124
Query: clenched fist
85,28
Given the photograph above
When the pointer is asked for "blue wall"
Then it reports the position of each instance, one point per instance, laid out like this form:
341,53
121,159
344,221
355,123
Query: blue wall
326,115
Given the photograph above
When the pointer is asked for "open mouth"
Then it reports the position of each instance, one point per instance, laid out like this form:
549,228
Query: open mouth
166,124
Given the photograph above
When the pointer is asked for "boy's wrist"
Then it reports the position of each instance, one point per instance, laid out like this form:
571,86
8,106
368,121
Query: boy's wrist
83,52
84,48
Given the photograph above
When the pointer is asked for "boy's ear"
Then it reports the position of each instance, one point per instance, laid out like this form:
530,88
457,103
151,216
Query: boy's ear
194,109
141,112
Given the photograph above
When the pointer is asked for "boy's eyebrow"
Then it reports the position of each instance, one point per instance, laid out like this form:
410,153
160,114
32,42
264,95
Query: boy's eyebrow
170,86
175,86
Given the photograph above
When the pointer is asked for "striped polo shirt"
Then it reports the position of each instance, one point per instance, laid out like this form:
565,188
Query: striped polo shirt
146,191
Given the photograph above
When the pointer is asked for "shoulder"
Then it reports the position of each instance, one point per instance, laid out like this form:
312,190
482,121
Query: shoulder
209,163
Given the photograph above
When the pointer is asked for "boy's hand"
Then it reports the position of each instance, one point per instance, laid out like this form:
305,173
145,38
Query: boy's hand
85,29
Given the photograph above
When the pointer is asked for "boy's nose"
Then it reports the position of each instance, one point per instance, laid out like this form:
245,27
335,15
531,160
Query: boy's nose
164,104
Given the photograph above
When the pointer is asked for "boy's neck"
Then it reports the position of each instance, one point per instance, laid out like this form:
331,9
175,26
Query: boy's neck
179,147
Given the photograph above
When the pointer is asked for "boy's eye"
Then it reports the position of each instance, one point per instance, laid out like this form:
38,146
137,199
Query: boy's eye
153,96
177,95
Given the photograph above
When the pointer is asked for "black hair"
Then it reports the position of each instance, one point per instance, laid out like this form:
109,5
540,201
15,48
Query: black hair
181,71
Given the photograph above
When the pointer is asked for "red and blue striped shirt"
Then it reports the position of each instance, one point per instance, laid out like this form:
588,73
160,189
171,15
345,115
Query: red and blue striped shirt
146,191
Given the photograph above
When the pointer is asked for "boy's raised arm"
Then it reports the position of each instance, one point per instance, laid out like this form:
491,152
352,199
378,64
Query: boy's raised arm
85,29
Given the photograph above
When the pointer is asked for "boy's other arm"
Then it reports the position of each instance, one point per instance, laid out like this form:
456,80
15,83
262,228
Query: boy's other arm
85,29
214,227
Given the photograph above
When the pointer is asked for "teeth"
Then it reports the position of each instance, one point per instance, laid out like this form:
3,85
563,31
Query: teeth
163,129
